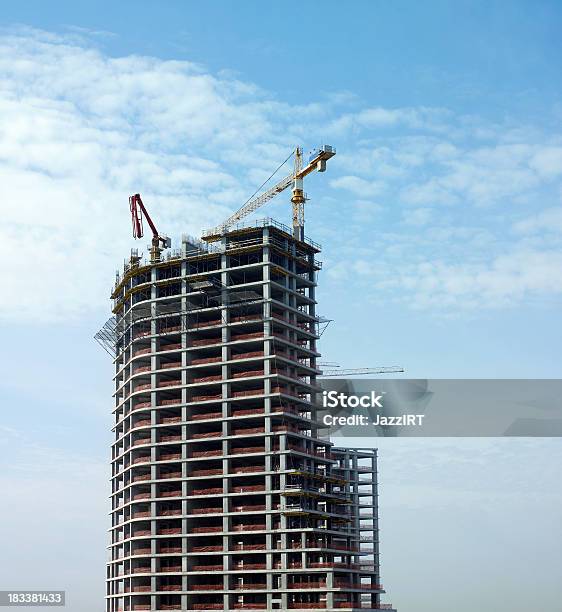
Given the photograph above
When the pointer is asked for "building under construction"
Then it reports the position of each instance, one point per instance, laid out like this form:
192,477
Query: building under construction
225,496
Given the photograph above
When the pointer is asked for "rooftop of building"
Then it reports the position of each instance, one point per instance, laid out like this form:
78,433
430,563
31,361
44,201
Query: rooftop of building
195,248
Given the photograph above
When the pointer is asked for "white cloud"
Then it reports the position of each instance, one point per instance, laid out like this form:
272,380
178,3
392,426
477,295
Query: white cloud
418,216
427,119
80,131
506,280
364,211
432,192
549,220
357,186
486,175
548,161
386,162
483,175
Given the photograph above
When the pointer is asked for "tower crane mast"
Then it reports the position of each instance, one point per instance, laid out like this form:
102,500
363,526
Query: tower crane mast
317,161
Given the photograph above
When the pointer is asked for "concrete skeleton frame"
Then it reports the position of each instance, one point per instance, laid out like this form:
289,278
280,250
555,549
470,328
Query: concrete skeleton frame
224,494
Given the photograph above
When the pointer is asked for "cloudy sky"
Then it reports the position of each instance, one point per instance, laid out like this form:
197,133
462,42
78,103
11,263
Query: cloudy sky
440,216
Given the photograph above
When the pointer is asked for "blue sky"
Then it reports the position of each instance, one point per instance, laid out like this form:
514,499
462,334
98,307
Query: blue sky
440,216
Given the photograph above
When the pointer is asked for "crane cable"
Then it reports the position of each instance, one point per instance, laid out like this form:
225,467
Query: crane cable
267,181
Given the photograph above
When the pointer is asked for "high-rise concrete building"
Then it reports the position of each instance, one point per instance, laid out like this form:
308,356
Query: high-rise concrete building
224,494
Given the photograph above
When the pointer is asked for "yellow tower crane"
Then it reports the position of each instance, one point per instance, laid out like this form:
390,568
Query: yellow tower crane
316,161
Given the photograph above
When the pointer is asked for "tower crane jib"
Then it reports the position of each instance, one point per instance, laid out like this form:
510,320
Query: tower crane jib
317,161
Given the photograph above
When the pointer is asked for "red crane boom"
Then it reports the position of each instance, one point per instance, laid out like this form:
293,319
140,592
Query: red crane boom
159,242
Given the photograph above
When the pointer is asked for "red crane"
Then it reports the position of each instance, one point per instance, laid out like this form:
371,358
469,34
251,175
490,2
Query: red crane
159,242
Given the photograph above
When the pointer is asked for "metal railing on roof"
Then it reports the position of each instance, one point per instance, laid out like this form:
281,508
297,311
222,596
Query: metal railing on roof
265,222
